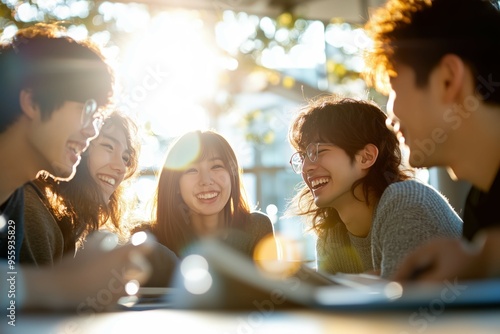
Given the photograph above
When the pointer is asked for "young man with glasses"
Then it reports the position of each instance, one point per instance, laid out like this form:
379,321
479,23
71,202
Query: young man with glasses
52,93
439,62
364,207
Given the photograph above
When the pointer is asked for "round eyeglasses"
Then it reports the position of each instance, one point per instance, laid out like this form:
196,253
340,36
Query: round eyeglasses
88,111
90,115
297,159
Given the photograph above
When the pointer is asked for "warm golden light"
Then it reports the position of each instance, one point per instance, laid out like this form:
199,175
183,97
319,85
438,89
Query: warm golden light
278,257
169,70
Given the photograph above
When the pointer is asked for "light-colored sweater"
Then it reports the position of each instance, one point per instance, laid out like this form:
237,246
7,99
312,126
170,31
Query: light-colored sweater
408,215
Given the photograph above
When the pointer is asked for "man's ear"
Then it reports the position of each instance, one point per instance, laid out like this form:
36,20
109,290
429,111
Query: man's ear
367,156
452,76
28,106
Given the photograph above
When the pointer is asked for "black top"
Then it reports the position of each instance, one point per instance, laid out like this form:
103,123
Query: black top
482,209
11,234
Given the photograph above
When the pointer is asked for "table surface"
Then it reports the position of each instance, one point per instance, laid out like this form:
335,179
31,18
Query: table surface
408,321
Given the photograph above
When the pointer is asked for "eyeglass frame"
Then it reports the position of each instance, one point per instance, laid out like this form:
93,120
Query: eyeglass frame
91,115
302,156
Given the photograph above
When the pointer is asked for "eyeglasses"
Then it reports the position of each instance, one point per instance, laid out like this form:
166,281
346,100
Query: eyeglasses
297,159
91,116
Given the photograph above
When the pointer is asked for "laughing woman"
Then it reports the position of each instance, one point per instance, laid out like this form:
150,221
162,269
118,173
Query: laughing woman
59,215
367,212
200,193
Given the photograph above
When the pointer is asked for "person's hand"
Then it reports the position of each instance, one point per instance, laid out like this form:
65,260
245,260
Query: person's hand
442,259
92,281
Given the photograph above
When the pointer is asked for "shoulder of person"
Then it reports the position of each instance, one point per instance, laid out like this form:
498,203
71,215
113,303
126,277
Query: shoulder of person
142,226
415,199
31,190
35,203
259,217
411,191
259,223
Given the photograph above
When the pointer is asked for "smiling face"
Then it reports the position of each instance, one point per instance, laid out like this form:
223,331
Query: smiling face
205,186
108,159
60,140
331,176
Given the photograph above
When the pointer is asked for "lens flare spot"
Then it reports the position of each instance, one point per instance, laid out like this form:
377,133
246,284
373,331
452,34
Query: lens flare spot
278,256
139,238
393,290
184,152
197,278
109,242
193,262
132,287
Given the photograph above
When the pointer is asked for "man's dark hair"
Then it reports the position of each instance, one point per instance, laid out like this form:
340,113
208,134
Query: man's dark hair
54,68
418,33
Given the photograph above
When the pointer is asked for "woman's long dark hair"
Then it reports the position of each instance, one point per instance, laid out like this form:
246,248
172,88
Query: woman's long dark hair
172,226
349,124
78,205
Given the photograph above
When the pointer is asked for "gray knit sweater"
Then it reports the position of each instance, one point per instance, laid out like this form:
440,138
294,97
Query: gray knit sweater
408,215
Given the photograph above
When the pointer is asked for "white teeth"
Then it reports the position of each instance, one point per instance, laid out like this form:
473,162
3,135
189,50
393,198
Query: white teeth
207,195
107,179
317,182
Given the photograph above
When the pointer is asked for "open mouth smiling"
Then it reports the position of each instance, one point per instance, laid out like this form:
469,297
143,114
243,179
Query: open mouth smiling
208,195
319,182
106,179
